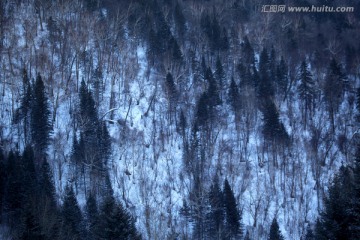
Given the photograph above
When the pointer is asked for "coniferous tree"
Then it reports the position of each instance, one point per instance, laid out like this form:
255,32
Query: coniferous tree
24,112
114,221
213,90
336,221
335,86
220,76
71,216
234,96
98,84
40,118
275,233
282,76
47,204
354,211
273,128
265,88
92,217
309,234
3,178
215,216
233,225
31,228
179,20
176,53
247,53
306,88
13,189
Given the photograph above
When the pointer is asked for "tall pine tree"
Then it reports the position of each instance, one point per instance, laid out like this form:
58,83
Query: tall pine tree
40,119
233,225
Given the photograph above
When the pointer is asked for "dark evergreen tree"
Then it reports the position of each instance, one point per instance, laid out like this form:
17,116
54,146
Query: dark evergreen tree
177,55
224,41
265,88
309,234
104,144
247,53
71,216
98,84
114,221
24,112
282,76
306,88
31,227
354,211
13,198
358,105
272,64
273,128
202,110
220,76
213,89
3,178
234,96
46,202
40,119
179,20
336,221
171,90
275,233
92,217
163,30
216,215
334,88
233,225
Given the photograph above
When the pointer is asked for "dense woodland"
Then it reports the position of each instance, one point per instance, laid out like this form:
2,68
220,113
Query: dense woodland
178,119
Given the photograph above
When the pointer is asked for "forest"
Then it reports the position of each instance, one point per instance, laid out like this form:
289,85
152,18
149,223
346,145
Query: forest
179,119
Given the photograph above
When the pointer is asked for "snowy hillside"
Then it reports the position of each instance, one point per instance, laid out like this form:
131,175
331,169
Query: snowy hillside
165,104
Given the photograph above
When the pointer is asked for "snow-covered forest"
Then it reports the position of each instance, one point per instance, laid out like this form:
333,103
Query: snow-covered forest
178,119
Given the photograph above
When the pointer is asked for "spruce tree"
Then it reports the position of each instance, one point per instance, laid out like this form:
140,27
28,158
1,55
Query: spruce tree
334,88
336,221
40,119
306,88
3,178
233,226
71,216
179,20
309,234
92,217
114,221
215,217
273,128
220,76
282,76
47,203
275,233
234,96
13,189
265,88
24,112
